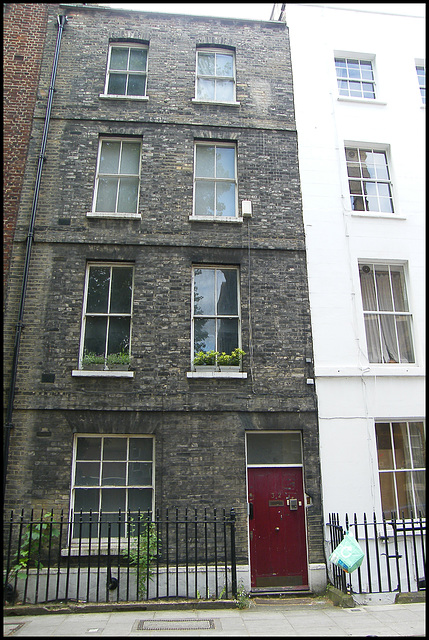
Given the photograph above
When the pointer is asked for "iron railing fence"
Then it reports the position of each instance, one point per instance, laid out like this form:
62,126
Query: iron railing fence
394,553
96,557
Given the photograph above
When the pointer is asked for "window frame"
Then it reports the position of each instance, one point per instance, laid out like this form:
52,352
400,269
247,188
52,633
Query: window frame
108,314
421,65
100,485
359,148
216,218
116,214
216,316
381,344
126,45
394,469
359,58
219,51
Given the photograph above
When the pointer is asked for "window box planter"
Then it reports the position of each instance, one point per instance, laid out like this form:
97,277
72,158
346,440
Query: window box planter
229,368
205,367
93,362
93,367
118,361
118,367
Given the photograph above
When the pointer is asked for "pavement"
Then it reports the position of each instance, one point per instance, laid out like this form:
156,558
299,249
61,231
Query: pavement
317,617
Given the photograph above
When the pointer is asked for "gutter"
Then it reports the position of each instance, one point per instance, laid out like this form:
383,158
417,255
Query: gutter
30,238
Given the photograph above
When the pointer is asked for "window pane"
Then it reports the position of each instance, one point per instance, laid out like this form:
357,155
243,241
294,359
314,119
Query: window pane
404,488
225,162
205,161
224,65
140,499
106,194
226,298
225,199
136,85
115,449
419,478
87,473
389,343
86,499
384,445
373,338
114,473
205,89
403,327
109,158
98,290
274,448
128,193
141,448
204,335
117,84
227,339
88,449
140,473
387,489
369,299
224,91
118,58
112,499
399,290
204,303
204,198
206,64
119,335
138,59
418,444
130,159
122,285
400,439
385,302
95,335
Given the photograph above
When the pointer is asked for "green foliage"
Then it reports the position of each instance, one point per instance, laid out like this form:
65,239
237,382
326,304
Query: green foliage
91,358
118,358
35,538
222,359
243,600
143,551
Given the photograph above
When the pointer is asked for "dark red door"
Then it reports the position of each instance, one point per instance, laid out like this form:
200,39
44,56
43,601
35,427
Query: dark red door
278,550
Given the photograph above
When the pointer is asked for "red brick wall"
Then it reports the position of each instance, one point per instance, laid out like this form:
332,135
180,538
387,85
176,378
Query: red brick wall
24,29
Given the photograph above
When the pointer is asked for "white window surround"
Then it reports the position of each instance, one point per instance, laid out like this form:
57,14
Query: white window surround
214,77
364,57
206,177
127,70
117,177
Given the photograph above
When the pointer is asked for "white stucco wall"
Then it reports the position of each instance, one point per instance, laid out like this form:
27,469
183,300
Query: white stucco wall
352,393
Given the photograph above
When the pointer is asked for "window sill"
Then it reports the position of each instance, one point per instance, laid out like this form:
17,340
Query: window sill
376,214
88,373
215,219
112,215
216,374
361,100
107,96
372,370
224,104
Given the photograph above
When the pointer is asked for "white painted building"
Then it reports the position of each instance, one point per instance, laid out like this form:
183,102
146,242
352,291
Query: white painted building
358,72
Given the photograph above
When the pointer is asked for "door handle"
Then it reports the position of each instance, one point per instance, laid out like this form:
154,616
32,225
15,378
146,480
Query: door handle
277,529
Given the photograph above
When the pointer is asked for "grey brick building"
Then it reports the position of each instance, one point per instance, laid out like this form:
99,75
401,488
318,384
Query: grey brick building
168,223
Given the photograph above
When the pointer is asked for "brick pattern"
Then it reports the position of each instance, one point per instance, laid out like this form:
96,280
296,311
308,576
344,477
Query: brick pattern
24,31
199,425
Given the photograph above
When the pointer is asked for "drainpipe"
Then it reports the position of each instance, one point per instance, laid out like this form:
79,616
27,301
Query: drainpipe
19,325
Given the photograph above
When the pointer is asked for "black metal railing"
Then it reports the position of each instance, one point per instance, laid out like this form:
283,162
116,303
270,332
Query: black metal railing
96,557
394,554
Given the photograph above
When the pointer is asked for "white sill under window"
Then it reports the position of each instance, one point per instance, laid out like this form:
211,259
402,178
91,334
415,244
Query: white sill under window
361,100
216,374
215,219
376,214
113,215
112,96
224,104
88,373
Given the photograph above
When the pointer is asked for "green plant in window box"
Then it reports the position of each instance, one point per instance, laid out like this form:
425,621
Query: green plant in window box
120,361
232,360
93,361
206,359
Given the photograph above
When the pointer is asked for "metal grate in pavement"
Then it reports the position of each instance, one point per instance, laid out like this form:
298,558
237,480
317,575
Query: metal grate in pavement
10,627
175,625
